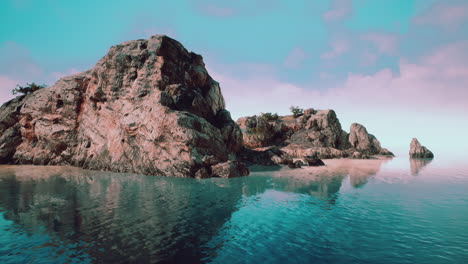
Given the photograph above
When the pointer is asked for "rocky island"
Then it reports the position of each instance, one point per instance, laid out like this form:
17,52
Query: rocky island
150,107
312,134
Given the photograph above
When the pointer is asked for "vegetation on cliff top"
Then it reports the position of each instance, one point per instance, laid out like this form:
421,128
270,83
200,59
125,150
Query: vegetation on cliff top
28,88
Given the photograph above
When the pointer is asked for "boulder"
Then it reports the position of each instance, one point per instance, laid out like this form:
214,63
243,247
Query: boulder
148,106
386,152
419,151
295,164
258,132
362,141
313,161
230,169
269,156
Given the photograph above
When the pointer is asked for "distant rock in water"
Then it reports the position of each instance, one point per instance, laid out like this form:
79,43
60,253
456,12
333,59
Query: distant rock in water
148,106
418,151
316,133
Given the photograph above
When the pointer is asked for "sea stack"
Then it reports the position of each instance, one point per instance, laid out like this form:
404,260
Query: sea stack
417,151
148,106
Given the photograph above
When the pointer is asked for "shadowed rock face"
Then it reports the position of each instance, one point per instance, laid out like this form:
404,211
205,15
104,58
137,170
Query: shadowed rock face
148,106
419,151
316,133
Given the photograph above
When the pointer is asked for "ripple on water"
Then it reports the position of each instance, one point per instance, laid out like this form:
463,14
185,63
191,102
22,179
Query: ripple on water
348,211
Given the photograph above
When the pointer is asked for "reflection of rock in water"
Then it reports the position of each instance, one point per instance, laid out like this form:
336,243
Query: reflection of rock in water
119,217
132,218
417,165
324,182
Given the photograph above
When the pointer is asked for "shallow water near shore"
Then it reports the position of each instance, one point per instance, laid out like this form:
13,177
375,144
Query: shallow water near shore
350,211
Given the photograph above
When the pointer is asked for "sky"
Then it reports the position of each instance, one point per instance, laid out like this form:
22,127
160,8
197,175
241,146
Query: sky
400,67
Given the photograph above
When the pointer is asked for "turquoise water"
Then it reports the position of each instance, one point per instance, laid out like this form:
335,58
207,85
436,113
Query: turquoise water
351,211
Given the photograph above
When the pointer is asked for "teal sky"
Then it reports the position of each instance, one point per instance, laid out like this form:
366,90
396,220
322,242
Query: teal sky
399,58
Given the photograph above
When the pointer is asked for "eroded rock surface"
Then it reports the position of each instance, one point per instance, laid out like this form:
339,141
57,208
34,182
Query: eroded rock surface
148,106
418,151
316,133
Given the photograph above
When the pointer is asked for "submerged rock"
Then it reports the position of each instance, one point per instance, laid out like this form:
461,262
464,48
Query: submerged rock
148,106
419,151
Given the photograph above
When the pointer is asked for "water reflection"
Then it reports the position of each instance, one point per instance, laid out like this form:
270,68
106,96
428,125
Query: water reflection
417,165
121,218
323,182
118,217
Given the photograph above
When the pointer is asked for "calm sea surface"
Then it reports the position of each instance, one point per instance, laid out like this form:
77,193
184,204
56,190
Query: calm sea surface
351,211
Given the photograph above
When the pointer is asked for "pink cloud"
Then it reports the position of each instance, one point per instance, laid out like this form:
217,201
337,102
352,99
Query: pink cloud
295,58
339,10
426,98
435,81
338,48
6,85
442,14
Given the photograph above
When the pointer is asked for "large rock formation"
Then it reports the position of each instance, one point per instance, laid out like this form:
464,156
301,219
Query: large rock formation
316,133
148,106
418,151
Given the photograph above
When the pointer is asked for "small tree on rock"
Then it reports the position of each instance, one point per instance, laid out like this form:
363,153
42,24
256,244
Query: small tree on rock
28,88
269,116
296,111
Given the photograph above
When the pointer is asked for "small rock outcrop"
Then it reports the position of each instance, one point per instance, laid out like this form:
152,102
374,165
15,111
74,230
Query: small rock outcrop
268,156
148,106
312,161
316,133
417,151
364,142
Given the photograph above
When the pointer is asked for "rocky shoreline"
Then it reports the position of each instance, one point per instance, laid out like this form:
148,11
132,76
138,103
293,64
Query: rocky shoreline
315,133
150,107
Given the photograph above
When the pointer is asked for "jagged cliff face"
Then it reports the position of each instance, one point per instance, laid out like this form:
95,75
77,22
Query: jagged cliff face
315,133
148,106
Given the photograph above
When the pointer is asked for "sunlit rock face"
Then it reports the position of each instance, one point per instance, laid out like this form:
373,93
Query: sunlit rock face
315,133
419,151
148,106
